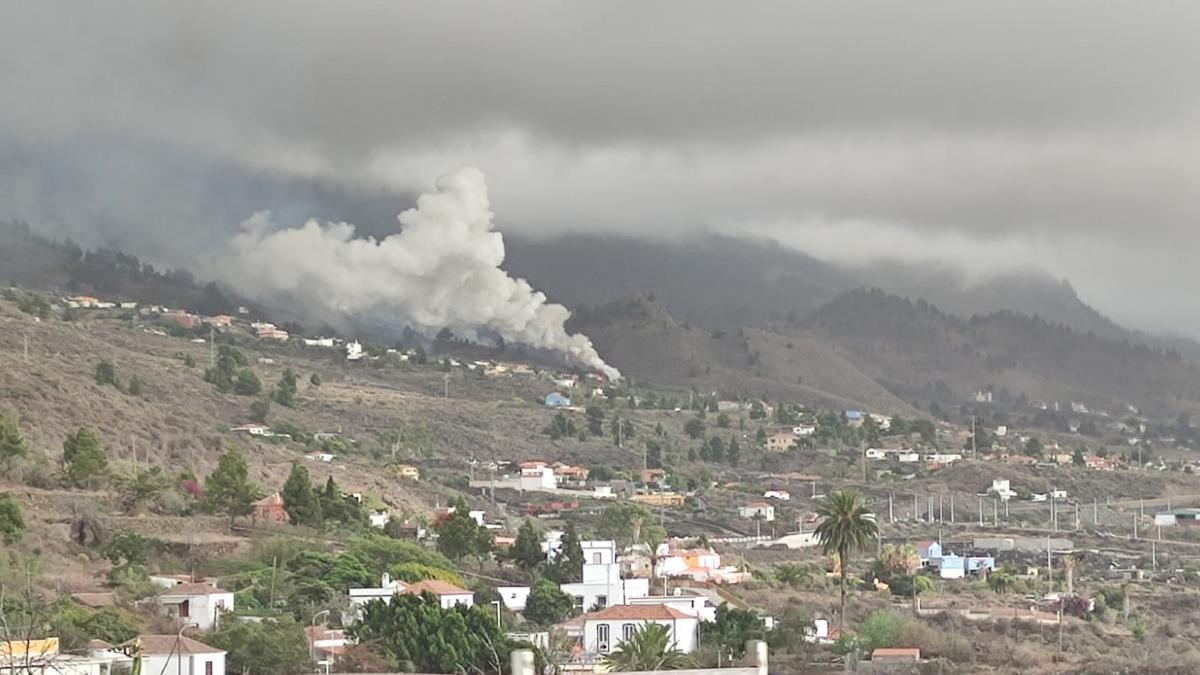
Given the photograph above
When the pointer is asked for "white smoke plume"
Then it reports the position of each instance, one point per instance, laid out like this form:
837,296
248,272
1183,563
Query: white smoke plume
441,270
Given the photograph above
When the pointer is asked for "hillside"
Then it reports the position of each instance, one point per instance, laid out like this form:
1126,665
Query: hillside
919,352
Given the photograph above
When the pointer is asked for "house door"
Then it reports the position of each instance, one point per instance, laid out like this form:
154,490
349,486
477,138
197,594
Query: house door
183,609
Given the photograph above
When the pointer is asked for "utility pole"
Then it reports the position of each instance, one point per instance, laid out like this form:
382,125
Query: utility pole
941,513
981,511
446,385
1053,511
1049,563
212,349
914,506
1135,519
1153,555
996,512
951,508
1076,516
974,449
1095,511
891,515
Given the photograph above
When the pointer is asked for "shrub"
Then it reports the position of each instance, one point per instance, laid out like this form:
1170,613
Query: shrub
12,523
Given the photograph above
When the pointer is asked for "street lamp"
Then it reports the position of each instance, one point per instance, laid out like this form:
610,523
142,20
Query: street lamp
179,647
312,641
498,623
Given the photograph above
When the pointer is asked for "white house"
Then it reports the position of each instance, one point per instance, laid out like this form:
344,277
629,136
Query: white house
602,585
42,656
876,453
448,594
943,457
781,495
379,519
198,603
354,350
757,510
513,597
693,604
675,561
386,589
537,475
605,630
908,457
176,654
804,430
1002,489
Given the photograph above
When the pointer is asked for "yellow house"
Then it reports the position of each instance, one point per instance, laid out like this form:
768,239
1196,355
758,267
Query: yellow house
409,471
21,649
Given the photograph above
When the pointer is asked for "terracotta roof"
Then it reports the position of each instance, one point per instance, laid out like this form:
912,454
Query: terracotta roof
170,644
198,588
437,587
644,612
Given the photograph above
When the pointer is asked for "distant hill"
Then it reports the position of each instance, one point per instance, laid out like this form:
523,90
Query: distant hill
710,280
723,283
919,352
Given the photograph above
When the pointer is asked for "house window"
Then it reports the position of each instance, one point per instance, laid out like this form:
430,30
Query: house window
602,600
579,602
627,632
208,668
602,637
596,558
183,609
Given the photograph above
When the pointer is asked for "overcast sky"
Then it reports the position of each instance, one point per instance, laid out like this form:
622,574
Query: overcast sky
1064,136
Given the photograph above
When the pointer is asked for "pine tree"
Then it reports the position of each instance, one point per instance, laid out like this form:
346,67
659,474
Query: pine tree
84,458
568,562
303,506
228,488
527,551
285,393
12,441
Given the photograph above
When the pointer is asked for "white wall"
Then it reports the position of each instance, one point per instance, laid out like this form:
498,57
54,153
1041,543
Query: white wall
513,597
202,610
193,664
683,633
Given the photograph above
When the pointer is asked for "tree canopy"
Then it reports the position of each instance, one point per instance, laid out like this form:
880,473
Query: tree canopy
417,634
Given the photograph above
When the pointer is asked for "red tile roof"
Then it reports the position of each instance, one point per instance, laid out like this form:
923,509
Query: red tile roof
643,612
170,644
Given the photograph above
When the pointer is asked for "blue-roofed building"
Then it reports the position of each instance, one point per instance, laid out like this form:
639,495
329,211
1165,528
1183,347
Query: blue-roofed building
556,400
855,417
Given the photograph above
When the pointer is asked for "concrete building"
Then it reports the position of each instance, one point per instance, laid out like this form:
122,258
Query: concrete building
606,630
757,510
602,585
176,654
198,603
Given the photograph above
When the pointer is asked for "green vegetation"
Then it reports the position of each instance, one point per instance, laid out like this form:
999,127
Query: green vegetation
84,458
228,488
731,629
106,374
650,648
847,529
301,503
460,536
12,442
561,427
547,604
273,647
285,391
416,635
628,523
12,523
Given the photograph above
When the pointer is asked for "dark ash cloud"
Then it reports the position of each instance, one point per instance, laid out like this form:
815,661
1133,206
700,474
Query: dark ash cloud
995,136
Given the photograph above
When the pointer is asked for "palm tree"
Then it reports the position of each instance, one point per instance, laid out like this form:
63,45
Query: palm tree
847,528
791,574
649,648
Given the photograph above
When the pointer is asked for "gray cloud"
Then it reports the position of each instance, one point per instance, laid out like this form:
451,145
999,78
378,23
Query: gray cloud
997,136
